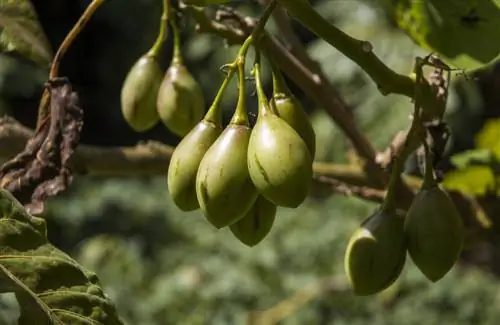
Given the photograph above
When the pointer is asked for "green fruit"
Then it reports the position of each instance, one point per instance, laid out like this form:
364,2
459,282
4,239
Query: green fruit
203,3
185,162
256,224
376,253
139,92
434,232
279,161
223,186
180,101
292,112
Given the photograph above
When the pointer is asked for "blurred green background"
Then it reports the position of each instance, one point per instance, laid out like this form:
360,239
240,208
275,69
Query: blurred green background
162,266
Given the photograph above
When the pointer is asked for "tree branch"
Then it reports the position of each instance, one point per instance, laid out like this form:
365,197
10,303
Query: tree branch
314,85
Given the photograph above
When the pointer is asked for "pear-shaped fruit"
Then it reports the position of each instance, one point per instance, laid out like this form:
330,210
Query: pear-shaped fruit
434,232
223,186
139,92
288,107
256,224
376,253
279,162
180,101
185,161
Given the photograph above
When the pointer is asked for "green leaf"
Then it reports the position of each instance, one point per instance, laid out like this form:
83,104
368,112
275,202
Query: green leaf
489,137
473,180
472,157
20,32
463,32
50,286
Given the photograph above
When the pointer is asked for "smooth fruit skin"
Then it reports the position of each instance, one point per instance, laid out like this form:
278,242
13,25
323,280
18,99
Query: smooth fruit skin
435,232
291,111
256,224
185,162
279,162
180,101
139,92
376,253
223,186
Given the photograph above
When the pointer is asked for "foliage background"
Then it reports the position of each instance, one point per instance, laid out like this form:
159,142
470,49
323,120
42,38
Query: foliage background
162,266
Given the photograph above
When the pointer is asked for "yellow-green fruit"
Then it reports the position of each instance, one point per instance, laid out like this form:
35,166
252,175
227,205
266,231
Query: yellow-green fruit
376,253
279,161
185,162
291,111
256,224
223,186
434,232
180,101
139,92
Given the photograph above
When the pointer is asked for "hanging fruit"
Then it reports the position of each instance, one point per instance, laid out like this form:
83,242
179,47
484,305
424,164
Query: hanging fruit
256,224
223,185
376,253
140,88
279,161
289,108
180,102
190,151
433,228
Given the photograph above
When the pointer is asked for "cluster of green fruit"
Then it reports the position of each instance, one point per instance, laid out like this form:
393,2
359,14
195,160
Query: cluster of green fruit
238,175
149,96
431,232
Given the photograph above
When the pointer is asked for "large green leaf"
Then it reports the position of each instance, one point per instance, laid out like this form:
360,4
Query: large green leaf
463,32
473,180
50,286
21,32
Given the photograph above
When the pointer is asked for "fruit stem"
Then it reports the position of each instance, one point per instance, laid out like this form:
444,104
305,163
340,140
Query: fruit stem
177,55
280,87
162,35
414,132
240,116
264,107
214,113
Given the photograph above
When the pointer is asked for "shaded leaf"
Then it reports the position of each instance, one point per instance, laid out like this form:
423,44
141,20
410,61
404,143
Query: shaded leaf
489,137
473,180
20,31
463,32
50,286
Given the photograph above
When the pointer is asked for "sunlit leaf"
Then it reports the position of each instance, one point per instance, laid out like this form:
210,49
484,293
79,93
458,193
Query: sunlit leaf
470,157
463,32
21,32
50,286
473,180
489,137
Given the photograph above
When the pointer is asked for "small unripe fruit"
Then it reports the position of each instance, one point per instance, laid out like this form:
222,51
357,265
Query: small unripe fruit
223,186
139,92
376,253
279,161
180,101
434,232
289,109
185,162
256,224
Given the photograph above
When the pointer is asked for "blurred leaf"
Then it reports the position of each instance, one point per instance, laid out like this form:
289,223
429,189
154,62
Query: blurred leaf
489,137
474,180
462,32
49,285
21,32
471,157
